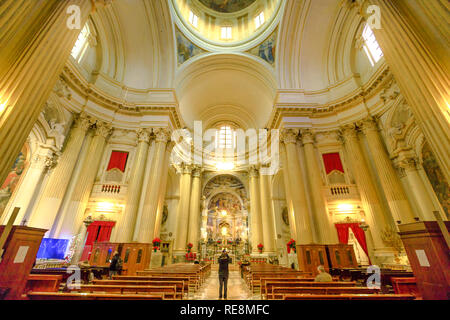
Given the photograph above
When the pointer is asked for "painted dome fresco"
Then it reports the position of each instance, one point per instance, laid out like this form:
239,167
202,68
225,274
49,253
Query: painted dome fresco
227,6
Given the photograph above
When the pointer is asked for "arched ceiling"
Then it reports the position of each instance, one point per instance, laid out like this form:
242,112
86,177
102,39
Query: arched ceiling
227,6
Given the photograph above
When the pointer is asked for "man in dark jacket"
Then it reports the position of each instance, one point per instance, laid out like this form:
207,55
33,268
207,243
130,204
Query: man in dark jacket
115,266
224,261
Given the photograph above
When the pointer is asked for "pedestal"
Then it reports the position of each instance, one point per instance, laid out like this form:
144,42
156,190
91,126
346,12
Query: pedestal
292,259
428,254
156,260
21,248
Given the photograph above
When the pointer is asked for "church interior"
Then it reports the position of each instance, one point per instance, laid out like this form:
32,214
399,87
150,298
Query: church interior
293,134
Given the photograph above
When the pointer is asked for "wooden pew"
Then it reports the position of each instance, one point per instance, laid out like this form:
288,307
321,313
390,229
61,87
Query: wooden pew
282,279
168,292
43,283
406,286
189,283
269,285
90,296
279,292
181,286
348,297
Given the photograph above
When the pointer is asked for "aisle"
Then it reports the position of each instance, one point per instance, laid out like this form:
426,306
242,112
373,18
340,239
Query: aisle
237,290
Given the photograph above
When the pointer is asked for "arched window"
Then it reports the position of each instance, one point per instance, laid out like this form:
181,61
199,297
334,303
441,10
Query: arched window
81,44
259,20
371,46
193,19
225,138
226,33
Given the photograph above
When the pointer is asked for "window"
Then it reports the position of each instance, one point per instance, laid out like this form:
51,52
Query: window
225,138
193,19
81,44
371,46
259,20
226,33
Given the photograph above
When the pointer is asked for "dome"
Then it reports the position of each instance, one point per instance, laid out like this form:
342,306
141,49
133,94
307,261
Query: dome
227,6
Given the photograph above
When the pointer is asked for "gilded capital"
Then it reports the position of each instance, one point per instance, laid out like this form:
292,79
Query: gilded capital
103,129
348,132
196,171
308,137
162,135
253,172
369,124
83,121
143,135
289,136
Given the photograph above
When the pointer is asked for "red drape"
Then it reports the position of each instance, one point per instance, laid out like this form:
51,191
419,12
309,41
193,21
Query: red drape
332,162
343,234
118,160
98,231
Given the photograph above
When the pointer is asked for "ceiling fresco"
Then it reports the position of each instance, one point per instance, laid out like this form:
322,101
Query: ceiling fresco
227,6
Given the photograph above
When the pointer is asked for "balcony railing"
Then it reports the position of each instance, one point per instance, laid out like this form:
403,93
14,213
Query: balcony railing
340,192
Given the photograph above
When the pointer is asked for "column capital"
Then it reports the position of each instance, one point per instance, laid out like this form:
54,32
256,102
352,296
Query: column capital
162,135
185,168
348,132
197,171
103,129
308,136
143,135
253,172
289,136
369,124
407,160
100,3
82,121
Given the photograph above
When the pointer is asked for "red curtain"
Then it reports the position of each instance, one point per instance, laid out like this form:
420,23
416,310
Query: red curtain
343,234
98,231
118,160
332,162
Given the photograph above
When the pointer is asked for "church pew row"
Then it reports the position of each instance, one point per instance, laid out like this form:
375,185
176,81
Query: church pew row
268,285
169,292
348,297
43,282
91,296
192,283
278,292
181,286
254,279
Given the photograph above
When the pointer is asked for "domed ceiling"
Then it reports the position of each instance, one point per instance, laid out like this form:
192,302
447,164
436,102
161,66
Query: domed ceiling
227,6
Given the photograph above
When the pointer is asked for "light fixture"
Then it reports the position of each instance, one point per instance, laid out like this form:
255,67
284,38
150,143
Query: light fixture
105,207
224,166
345,208
224,213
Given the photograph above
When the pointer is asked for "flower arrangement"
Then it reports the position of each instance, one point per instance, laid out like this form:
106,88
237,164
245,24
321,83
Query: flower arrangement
156,244
190,256
260,247
291,245
189,247
219,241
230,242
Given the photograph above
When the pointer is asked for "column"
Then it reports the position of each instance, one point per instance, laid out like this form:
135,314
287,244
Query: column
288,192
183,210
41,43
302,223
369,197
125,227
420,196
145,228
73,213
255,210
390,182
82,237
267,215
29,188
327,231
418,66
194,211
53,194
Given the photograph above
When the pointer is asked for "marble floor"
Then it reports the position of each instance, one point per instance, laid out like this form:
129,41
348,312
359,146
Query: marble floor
237,290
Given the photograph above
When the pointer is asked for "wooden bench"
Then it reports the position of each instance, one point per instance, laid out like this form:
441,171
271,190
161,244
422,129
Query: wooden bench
43,283
269,285
90,296
181,286
168,292
405,286
279,292
263,281
348,297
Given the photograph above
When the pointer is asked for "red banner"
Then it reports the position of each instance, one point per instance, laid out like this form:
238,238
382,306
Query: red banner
332,162
118,160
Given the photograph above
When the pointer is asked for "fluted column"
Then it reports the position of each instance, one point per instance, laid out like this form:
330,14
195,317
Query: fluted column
125,227
267,214
418,65
390,182
183,210
369,197
53,194
288,192
162,192
327,232
194,211
144,230
302,222
73,214
255,210
42,161
35,44
407,162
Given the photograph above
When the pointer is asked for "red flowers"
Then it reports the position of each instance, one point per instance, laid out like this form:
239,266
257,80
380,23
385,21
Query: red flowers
191,256
156,244
291,245
260,247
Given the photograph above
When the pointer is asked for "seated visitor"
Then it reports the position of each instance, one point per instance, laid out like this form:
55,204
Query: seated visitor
323,276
